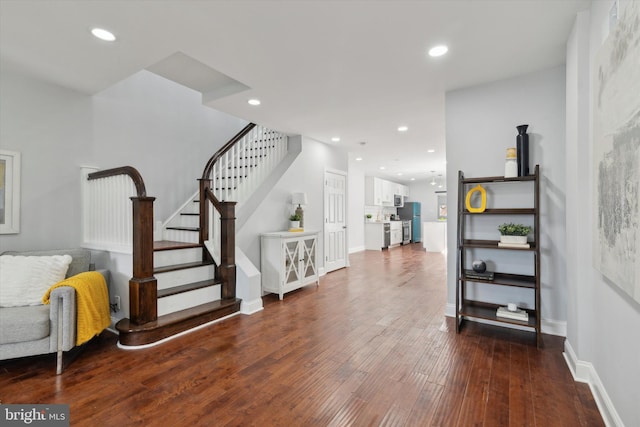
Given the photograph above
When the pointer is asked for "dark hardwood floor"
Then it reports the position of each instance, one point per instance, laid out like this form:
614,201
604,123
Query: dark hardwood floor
369,347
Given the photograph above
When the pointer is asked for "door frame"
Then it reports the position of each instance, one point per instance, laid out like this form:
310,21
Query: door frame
324,223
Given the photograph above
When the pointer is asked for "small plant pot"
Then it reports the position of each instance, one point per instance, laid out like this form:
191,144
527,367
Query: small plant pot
294,224
513,239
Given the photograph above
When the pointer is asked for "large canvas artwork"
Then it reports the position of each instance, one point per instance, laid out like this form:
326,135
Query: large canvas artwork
616,133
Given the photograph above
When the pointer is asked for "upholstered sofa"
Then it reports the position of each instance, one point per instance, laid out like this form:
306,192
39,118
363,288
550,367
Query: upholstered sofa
41,329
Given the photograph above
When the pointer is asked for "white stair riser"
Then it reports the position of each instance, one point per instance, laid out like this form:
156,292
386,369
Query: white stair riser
185,221
182,277
176,256
186,300
181,236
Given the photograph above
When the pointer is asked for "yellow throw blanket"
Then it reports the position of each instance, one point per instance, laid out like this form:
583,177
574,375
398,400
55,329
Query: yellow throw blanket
92,300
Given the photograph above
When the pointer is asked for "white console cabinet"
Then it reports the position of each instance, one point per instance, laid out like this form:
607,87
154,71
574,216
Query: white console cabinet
288,261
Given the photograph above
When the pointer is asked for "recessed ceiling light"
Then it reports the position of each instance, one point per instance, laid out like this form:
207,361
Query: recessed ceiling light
413,179
399,174
335,139
382,168
103,34
358,159
402,128
438,50
254,101
431,150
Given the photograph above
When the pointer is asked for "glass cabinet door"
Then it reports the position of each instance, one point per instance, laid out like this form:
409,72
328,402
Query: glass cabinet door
291,261
309,267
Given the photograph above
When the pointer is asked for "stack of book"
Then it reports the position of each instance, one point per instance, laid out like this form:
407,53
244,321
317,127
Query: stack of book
471,274
515,315
514,245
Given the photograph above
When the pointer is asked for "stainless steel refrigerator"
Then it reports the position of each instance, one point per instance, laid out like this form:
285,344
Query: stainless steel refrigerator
411,212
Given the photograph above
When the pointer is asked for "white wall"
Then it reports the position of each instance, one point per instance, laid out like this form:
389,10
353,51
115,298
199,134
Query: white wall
306,174
425,193
155,125
51,127
480,124
355,190
602,334
162,129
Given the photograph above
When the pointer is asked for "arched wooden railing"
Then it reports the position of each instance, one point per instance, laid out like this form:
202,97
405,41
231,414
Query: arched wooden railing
143,286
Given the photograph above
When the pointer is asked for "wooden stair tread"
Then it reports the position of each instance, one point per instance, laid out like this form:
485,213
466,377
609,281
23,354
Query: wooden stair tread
184,266
174,323
188,287
184,228
167,245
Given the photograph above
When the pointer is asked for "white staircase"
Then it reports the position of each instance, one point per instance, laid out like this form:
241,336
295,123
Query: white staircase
235,177
190,291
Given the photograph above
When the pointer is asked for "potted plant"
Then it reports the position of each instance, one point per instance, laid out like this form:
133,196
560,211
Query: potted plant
369,216
294,221
513,233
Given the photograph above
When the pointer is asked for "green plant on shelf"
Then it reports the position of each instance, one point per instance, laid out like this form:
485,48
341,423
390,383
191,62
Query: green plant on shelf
511,229
294,217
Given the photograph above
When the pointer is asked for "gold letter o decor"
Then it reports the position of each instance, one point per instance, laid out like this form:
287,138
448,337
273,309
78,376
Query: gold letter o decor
483,201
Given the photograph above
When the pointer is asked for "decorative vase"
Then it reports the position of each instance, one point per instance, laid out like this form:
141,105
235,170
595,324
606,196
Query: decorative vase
511,164
522,146
479,266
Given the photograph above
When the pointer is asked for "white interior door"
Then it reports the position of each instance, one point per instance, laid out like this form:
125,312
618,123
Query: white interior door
335,223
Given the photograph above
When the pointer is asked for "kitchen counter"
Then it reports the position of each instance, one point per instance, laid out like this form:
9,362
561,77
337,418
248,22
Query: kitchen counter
435,236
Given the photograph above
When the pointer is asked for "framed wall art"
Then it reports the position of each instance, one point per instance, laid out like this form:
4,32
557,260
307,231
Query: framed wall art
9,192
616,136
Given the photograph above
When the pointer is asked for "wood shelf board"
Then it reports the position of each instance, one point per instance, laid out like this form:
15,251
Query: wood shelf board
490,179
503,211
493,244
483,310
505,279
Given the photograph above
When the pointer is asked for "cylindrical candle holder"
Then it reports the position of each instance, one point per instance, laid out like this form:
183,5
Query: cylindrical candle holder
511,164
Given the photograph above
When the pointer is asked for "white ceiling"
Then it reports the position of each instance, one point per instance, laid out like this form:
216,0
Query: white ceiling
353,69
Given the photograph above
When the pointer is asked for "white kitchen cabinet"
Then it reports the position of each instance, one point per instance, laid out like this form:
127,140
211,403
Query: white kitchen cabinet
374,236
288,261
373,188
396,232
380,192
388,188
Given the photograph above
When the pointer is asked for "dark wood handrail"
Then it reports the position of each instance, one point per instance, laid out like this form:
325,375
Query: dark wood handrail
226,147
123,170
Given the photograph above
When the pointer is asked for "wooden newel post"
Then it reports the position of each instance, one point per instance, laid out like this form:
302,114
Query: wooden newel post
143,286
227,266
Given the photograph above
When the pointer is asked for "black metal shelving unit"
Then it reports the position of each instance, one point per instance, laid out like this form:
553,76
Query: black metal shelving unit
467,307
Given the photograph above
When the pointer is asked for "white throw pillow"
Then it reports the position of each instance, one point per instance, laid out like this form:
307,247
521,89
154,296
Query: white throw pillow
25,279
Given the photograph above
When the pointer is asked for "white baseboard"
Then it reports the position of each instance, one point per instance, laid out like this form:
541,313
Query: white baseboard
551,327
251,307
554,327
450,310
585,372
356,249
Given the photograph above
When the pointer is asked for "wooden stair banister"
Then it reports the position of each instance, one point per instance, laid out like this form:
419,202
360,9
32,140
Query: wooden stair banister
227,267
143,286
